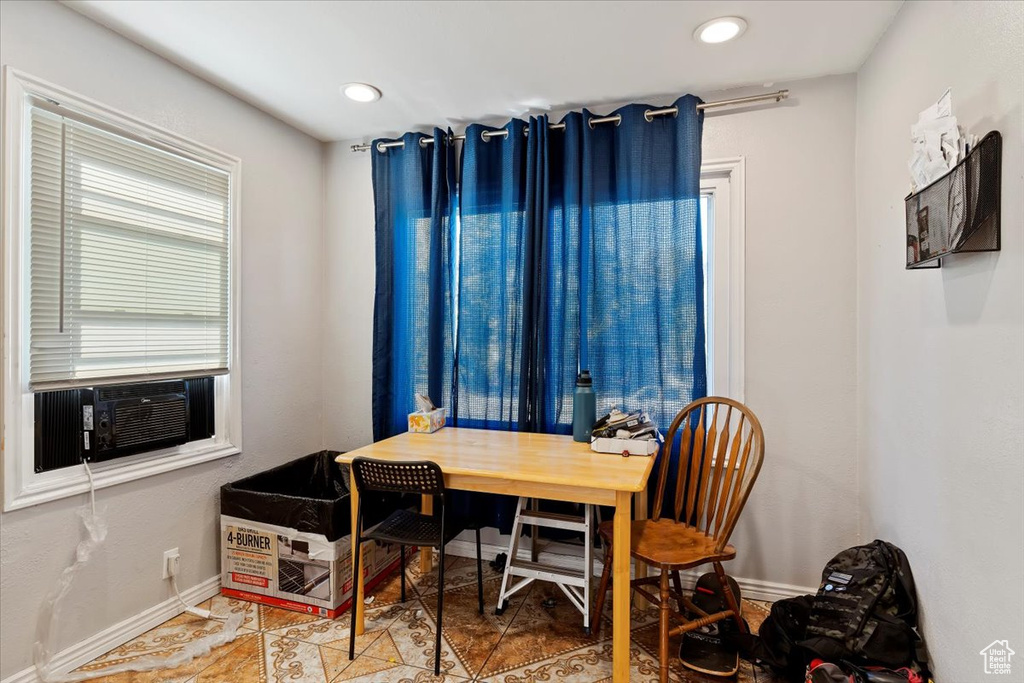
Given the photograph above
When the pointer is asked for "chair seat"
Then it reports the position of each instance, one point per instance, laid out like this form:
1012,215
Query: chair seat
411,528
668,544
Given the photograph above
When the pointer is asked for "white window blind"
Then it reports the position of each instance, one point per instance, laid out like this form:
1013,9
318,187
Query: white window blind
128,259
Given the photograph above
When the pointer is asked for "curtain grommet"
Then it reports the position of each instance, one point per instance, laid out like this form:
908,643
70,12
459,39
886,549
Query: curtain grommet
590,123
647,116
423,142
381,148
485,135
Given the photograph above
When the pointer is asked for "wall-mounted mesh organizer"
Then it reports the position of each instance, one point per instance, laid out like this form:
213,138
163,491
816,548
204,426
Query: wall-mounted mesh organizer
959,212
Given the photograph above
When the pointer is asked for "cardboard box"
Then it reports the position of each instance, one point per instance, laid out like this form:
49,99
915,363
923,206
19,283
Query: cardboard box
286,536
426,422
295,570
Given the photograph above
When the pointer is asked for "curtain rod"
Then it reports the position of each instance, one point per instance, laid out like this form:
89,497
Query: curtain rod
777,96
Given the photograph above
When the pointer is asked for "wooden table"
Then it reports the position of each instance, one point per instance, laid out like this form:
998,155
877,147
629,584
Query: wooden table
537,466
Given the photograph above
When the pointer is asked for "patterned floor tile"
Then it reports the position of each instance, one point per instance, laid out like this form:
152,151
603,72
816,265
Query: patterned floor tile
538,632
403,673
335,632
273,618
414,637
458,572
638,616
588,664
413,567
384,648
290,660
364,665
389,591
472,635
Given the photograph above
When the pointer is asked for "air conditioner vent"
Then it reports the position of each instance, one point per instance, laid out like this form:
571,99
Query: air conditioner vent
143,423
144,390
58,427
199,391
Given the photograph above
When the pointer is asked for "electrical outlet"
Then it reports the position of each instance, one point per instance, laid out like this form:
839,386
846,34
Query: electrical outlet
171,560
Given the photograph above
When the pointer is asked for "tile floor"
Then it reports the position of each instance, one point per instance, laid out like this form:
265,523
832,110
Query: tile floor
528,643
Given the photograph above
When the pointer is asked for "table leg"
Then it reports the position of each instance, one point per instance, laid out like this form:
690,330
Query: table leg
620,587
426,554
357,590
534,536
640,512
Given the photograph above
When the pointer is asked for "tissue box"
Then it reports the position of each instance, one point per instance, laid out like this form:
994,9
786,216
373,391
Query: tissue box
426,422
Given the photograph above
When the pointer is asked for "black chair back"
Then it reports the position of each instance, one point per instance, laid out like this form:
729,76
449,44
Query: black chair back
422,476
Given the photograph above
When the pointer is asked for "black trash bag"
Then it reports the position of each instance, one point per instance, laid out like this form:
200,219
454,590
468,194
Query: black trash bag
310,494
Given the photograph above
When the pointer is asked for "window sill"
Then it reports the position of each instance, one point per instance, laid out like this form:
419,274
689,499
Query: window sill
71,481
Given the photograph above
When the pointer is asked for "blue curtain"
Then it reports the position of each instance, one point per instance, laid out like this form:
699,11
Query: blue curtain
413,188
575,248
491,270
502,209
641,270
506,315
641,266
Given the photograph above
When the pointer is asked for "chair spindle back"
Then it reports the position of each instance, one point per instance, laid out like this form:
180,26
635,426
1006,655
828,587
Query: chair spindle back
721,448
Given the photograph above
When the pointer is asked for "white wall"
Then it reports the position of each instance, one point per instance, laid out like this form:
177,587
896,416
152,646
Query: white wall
281,226
800,323
941,371
800,318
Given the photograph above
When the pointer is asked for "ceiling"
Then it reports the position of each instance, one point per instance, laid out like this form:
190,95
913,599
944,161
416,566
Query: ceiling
456,62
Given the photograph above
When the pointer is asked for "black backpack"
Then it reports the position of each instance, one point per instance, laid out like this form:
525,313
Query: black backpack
777,643
866,608
865,612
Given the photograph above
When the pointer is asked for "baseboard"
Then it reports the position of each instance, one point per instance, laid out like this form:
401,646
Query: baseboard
89,649
566,555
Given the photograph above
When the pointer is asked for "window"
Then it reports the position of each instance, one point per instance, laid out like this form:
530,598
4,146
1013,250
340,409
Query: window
722,231
128,267
722,237
119,252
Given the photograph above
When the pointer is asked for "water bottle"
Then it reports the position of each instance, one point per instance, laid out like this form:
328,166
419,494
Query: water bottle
584,407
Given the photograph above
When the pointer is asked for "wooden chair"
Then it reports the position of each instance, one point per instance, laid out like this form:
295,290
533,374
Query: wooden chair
720,453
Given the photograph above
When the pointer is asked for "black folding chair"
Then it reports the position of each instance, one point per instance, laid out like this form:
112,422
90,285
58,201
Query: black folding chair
405,527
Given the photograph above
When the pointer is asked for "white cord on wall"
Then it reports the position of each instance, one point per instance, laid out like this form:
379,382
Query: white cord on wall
49,613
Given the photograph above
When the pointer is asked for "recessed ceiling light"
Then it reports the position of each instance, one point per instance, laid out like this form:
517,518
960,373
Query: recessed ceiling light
360,92
720,30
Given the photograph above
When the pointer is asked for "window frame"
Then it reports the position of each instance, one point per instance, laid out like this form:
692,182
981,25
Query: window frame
22,486
723,180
